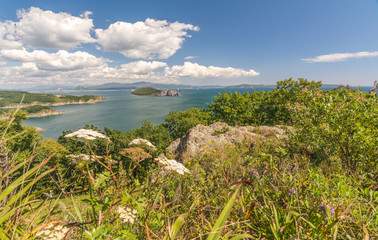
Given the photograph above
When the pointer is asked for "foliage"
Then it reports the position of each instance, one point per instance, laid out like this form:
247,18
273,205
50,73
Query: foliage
64,170
339,124
260,107
294,187
20,140
179,123
16,200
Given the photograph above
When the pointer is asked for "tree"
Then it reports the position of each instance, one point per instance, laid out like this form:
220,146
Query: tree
179,123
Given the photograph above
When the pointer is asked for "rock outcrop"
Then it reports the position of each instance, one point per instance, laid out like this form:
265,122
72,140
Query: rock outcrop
169,93
202,139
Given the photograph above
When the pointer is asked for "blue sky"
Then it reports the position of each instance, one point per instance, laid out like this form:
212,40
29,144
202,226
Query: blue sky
194,42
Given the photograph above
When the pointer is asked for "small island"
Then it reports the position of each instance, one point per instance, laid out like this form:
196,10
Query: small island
149,91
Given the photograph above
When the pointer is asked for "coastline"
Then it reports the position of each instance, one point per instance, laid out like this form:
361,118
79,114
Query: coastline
92,101
45,114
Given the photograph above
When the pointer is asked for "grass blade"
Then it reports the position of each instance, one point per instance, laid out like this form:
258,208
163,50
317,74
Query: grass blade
216,230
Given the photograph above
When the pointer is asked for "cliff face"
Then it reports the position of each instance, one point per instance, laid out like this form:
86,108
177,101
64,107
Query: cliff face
170,93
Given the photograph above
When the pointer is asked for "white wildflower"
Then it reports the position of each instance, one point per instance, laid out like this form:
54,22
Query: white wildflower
53,232
127,215
171,165
141,141
87,134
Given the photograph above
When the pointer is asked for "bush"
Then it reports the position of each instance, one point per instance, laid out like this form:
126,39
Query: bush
260,107
338,123
179,123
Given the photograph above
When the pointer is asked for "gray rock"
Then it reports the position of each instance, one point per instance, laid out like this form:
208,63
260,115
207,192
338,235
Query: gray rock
202,139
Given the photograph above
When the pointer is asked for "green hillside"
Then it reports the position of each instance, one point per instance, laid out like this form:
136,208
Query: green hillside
13,98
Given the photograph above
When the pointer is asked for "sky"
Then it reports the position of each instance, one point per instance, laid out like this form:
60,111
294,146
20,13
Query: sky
195,42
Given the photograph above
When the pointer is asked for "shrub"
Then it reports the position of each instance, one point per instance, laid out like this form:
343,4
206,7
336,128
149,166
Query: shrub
179,123
337,123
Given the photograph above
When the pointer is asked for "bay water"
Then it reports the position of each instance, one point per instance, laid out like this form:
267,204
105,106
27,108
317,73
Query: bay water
122,110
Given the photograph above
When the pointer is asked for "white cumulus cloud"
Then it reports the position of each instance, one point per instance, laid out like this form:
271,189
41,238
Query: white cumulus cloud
59,61
142,67
337,57
151,39
39,28
195,70
31,71
7,36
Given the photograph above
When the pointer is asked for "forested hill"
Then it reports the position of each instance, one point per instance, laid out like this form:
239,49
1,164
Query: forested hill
9,99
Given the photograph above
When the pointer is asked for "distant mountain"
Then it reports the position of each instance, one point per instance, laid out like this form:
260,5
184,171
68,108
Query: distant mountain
49,88
120,86
162,86
251,86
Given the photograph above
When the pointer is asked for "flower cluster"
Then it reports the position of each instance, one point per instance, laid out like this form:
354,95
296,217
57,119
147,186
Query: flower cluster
83,158
141,141
53,232
172,165
323,208
292,191
127,215
87,134
136,154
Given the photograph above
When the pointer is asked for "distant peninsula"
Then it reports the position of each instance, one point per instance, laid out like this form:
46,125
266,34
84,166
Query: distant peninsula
150,91
34,111
39,105
12,99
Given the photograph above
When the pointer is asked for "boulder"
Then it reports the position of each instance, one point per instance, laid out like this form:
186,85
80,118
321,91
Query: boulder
202,139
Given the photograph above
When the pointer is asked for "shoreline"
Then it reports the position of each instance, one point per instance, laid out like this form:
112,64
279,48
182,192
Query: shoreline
93,101
45,114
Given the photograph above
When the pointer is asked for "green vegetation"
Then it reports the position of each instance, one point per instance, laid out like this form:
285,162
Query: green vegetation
32,111
13,98
318,182
146,91
36,109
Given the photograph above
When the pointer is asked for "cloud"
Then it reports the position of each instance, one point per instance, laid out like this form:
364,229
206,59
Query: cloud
60,61
151,39
195,70
38,28
190,57
7,36
337,57
142,67
31,71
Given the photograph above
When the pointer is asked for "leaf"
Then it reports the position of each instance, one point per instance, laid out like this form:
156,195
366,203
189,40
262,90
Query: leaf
366,237
216,230
175,227
78,213
241,236
8,210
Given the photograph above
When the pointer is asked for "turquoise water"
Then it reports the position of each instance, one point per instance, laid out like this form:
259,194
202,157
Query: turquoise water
122,110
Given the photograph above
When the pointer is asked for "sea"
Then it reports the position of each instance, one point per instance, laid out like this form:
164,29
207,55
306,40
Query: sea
123,111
